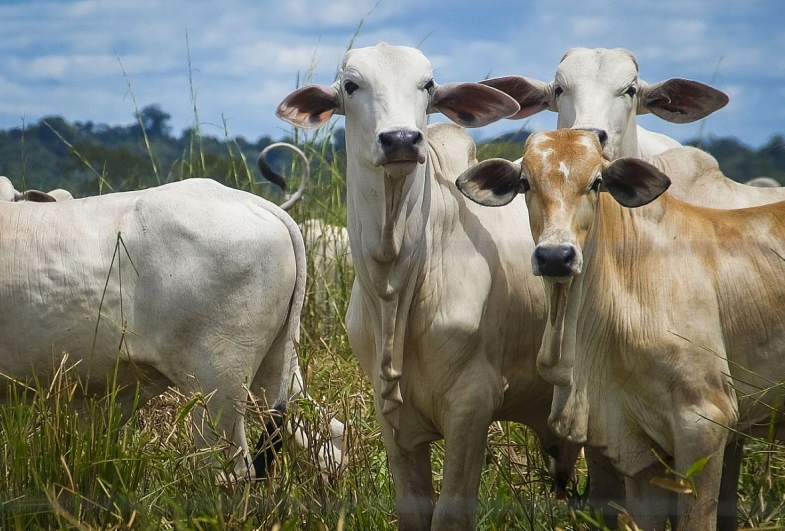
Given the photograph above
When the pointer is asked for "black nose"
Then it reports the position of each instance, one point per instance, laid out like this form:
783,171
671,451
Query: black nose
555,260
602,134
399,140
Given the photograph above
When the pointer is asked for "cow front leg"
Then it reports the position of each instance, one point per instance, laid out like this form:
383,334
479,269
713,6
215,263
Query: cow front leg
465,439
411,472
606,486
698,511
648,505
727,512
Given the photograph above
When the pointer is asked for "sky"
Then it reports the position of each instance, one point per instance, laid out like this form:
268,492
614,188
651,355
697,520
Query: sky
227,64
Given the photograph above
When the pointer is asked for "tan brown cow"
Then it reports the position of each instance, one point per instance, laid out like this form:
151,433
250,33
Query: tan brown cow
666,320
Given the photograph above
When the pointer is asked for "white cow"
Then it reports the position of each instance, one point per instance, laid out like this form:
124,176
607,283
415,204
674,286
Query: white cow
442,319
190,284
668,323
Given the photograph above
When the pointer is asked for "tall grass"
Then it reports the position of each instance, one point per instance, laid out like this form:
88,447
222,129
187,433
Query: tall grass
68,462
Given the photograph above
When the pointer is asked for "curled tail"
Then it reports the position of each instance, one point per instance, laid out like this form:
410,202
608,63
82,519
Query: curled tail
278,179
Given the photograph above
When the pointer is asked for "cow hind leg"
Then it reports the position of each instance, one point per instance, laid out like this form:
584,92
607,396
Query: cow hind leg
220,422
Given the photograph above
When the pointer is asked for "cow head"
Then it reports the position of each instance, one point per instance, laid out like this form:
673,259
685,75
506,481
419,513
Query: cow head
599,90
562,174
386,93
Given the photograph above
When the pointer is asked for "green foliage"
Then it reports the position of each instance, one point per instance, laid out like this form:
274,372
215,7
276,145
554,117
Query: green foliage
742,163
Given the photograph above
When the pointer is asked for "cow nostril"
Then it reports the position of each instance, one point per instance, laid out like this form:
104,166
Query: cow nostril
603,136
555,261
400,139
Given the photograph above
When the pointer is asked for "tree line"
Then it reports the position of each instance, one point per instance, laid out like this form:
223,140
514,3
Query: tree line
88,159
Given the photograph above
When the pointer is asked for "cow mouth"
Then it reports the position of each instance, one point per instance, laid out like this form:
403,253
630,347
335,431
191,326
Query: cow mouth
400,168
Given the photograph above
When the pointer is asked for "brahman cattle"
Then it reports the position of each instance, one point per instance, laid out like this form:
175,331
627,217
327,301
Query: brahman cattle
190,284
442,318
667,325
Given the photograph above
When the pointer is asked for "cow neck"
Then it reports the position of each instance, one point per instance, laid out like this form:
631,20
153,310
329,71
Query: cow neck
614,228
387,223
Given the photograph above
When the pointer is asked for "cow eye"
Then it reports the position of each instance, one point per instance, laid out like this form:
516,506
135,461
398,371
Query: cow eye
429,85
350,86
596,184
631,91
558,91
524,184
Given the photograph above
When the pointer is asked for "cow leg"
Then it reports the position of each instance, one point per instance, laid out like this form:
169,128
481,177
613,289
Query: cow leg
647,504
465,440
221,421
699,510
411,471
727,512
606,486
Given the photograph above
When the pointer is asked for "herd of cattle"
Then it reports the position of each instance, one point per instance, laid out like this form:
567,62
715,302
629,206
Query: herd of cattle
656,328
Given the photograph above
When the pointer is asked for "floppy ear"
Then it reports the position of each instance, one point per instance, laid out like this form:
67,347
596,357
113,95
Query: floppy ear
680,101
532,95
311,106
471,104
492,182
634,183
35,196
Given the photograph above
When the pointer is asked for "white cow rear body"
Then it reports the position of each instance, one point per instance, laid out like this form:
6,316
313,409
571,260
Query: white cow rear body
670,328
441,319
189,284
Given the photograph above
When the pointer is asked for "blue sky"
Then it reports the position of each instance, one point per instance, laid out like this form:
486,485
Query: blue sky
98,60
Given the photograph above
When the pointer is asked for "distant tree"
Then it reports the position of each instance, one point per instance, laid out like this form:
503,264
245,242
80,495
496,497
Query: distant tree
155,121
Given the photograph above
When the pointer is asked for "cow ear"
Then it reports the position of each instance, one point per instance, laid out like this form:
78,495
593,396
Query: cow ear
680,101
493,182
311,106
634,183
532,95
36,196
471,104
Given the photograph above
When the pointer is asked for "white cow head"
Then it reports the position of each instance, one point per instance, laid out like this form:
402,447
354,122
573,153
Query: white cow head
386,93
599,90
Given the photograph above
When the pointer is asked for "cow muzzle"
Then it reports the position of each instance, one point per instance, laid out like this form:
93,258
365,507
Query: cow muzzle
400,148
558,262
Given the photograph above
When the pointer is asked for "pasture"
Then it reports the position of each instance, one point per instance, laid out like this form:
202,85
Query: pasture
65,464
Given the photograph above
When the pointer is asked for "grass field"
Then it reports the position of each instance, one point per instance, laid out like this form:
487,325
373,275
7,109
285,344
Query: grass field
66,464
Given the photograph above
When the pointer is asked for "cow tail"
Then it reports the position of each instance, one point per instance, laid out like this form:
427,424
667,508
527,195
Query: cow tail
271,440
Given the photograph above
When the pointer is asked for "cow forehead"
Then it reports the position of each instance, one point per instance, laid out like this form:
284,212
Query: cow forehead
598,64
386,62
565,156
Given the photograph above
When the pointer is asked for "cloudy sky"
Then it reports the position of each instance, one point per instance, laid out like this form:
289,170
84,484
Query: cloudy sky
234,60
